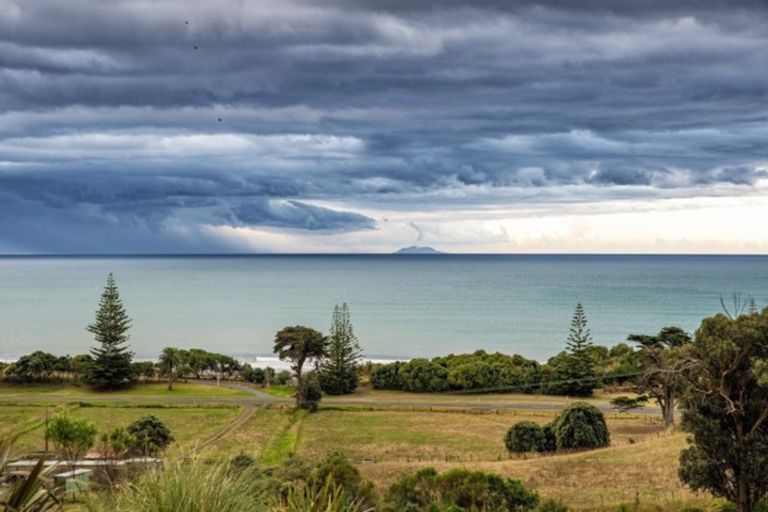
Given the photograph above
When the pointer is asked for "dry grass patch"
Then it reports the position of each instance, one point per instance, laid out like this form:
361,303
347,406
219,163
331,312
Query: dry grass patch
425,436
644,473
380,396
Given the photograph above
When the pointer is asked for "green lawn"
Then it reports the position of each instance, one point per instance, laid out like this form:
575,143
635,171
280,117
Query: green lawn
155,389
280,390
188,424
18,419
262,430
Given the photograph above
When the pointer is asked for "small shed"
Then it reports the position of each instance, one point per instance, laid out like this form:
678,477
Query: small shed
74,481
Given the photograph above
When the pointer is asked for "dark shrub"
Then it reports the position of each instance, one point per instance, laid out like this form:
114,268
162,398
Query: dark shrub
387,376
548,438
476,375
338,382
525,436
459,489
344,475
150,436
423,376
479,370
581,426
253,375
283,377
312,392
241,462
38,366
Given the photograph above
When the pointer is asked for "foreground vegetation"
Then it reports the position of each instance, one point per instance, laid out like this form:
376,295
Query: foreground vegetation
720,376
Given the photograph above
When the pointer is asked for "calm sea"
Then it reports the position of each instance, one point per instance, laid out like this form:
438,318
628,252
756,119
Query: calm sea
402,306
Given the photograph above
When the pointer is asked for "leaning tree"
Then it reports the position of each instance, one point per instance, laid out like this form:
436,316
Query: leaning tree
660,356
298,344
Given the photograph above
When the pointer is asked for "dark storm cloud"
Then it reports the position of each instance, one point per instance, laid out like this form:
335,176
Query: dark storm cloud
295,214
121,120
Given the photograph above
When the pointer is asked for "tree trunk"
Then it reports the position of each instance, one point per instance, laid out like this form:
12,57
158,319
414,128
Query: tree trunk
299,390
743,504
170,384
299,383
668,409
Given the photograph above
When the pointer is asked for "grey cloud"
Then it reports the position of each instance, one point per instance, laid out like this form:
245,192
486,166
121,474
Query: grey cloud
296,214
109,118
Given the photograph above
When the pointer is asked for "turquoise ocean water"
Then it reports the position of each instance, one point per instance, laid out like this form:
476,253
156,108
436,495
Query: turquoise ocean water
402,306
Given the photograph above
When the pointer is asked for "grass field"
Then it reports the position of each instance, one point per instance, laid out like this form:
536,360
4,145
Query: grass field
189,424
642,475
261,431
280,391
154,389
436,436
376,396
386,441
640,466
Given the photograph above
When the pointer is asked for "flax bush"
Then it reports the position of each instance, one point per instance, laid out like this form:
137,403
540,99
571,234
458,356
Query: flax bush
187,487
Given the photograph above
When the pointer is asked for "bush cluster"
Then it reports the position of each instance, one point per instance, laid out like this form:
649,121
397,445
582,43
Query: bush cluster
464,372
480,371
580,426
456,490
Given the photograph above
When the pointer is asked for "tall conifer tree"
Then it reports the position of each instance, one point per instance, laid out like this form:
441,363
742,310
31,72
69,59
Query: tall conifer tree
111,367
580,338
575,374
338,370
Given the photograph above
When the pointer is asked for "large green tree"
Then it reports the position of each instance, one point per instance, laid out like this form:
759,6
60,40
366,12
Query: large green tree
660,358
111,367
298,344
338,369
725,408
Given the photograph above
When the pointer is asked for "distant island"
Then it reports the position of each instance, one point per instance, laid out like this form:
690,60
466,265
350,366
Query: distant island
419,249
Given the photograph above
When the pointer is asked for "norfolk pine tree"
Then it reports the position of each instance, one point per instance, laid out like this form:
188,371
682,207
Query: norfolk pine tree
111,367
576,373
338,370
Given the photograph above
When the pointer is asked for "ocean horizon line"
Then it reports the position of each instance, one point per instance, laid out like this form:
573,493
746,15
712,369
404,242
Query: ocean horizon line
375,254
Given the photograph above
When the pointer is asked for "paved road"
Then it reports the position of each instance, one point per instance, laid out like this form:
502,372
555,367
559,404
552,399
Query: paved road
260,398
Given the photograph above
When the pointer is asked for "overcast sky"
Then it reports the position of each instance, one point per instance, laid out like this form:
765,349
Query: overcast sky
364,125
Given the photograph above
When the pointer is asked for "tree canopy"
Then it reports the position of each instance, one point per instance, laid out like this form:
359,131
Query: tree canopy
660,358
72,437
725,404
297,344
